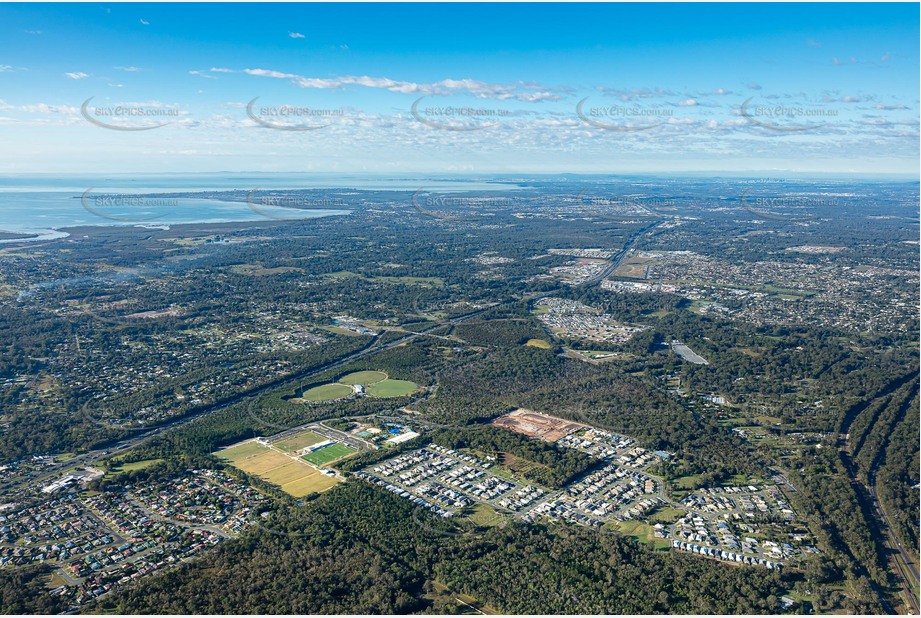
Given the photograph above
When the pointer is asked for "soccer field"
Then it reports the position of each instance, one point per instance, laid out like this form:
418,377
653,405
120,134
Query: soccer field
253,458
299,441
328,454
294,477
314,483
239,452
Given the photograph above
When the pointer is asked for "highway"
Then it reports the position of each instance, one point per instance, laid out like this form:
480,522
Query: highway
148,434
372,348
139,437
619,257
905,573
905,568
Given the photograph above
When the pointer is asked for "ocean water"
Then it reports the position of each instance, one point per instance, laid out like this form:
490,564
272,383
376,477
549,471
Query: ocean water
44,204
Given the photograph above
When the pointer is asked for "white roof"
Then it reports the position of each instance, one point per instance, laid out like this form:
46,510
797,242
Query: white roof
403,437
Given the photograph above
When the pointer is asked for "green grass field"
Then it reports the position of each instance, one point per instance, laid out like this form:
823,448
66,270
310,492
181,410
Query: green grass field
299,441
328,454
134,465
342,331
392,388
642,533
666,515
363,377
327,392
485,515
688,482
314,483
294,477
239,452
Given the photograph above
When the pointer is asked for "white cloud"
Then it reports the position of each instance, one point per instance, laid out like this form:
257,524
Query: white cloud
5,68
45,108
812,43
202,74
635,93
144,22
220,70
77,75
688,103
885,57
296,35
483,90
33,32
128,69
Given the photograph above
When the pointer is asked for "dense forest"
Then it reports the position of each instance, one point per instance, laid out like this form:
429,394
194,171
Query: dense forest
841,522
558,466
898,477
24,591
252,323
359,550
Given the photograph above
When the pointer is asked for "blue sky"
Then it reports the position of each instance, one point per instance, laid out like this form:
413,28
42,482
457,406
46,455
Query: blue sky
436,88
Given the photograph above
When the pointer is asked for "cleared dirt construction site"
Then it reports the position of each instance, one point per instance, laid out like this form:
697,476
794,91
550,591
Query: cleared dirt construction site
537,425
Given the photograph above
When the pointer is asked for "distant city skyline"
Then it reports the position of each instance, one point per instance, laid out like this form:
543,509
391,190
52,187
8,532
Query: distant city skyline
466,88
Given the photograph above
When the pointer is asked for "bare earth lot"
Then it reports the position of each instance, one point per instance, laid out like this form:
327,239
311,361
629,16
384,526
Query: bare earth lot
536,425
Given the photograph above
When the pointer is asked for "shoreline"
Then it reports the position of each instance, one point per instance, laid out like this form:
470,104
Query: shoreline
37,235
85,230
